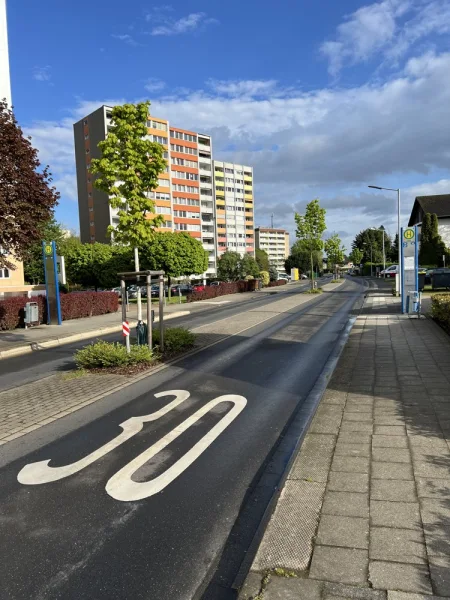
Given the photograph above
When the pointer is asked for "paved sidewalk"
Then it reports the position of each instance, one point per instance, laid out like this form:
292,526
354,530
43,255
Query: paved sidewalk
365,511
28,407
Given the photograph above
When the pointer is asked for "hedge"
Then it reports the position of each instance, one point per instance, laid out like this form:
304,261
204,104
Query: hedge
277,283
440,310
213,291
73,306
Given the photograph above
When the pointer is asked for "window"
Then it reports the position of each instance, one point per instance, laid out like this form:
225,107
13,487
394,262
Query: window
184,175
163,210
238,172
184,162
183,149
163,182
91,223
4,273
230,189
185,188
229,171
187,227
85,122
108,114
91,209
204,141
218,169
186,201
86,137
179,213
156,138
176,134
186,214
167,224
190,138
88,166
229,179
157,125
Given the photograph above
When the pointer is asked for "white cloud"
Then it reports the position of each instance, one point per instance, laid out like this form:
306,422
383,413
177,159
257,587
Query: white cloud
329,143
126,38
42,73
154,85
187,24
389,28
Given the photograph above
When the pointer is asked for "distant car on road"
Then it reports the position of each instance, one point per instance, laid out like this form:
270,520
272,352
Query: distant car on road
303,276
198,287
284,276
390,271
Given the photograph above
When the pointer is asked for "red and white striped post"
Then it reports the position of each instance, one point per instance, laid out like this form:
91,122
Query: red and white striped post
126,334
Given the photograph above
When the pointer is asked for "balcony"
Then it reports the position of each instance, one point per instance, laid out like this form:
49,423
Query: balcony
204,172
208,246
205,186
204,147
207,209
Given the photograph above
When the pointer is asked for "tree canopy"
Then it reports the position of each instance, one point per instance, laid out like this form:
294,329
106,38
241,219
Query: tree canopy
262,258
432,246
300,258
178,254
27,199
127,171
231,266
370,243
310,228
335,251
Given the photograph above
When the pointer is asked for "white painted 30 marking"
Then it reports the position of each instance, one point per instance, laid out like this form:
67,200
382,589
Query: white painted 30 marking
120,486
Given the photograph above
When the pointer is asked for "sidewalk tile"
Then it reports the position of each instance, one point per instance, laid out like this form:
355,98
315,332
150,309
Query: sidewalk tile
437,539
439,470
343,449
435,511
334,591
392,471
354,438
342,565
282,588
397,455
390,430
350,427
433,488
440,574
405,515
389,441
403,577
409,596
350,532
397,545
348,482
401,491
350,464
357,417
346,504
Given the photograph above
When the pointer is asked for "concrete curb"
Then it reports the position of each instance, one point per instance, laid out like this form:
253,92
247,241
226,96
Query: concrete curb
35,346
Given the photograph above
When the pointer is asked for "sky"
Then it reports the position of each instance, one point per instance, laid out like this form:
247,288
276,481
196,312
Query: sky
322,98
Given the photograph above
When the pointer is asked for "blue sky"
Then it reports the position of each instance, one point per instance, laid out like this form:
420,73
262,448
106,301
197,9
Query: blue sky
322,98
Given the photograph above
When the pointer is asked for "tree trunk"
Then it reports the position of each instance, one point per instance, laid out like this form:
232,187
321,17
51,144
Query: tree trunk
312,271
138,295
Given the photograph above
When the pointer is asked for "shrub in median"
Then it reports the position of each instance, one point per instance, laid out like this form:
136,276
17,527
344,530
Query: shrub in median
440,310
104,355
176,339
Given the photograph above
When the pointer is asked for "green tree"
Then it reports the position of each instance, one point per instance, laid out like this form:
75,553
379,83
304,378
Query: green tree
177,254
262,258
370,243
300,258
27,199
229,266
127,171
249,266
432,246
335,251
356,256
97,265
273,272
310,228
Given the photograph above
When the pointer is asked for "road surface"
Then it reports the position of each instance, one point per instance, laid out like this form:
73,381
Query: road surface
144,487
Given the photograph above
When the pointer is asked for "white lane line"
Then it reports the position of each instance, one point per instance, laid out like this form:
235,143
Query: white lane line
123,488
39,472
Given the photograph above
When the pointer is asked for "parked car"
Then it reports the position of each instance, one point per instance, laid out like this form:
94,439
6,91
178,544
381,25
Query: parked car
303,276
215,283
284,276
198,287
155,290
117,290
185,289
391,271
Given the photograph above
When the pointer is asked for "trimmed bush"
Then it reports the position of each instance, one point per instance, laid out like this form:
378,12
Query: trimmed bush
73,306
277,283
176,339
12,311
265,277
440,310
213,291
314,291
104,355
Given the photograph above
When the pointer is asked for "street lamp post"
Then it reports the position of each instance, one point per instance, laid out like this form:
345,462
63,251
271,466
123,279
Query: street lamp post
399,276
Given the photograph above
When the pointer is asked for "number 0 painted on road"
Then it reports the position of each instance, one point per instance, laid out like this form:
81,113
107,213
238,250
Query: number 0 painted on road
120,486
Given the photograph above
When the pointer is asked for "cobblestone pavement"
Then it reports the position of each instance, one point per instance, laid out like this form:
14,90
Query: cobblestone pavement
28,407
365,511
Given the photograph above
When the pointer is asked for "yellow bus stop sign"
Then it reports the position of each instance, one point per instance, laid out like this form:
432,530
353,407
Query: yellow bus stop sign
48,249
408,234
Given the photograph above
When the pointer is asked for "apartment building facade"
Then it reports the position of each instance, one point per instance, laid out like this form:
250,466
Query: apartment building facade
275,242
233,190
184,196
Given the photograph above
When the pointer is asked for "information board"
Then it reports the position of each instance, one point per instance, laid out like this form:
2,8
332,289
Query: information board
410,264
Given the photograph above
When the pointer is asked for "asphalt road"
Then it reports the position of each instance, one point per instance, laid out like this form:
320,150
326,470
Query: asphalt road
147,514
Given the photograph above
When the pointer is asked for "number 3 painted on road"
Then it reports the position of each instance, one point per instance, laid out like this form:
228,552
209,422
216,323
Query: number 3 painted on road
121,486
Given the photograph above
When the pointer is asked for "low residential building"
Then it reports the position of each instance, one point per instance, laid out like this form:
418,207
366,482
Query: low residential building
438,205
275,242
184,196
233,187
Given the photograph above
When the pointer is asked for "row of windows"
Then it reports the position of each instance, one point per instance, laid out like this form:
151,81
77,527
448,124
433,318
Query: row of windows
186,214
184,175
239,208
186,201
156,138
183,149
185,188
158,195
163,182
187,227
184,162
183,136
157,125
163,210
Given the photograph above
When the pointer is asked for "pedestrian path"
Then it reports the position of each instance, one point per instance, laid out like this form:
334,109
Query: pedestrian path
365,510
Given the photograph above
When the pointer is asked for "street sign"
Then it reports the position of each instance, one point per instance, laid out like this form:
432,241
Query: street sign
410,264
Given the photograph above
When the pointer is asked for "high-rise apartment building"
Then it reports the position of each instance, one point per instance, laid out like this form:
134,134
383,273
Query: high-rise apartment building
275,242
184,196
233,187
5,83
